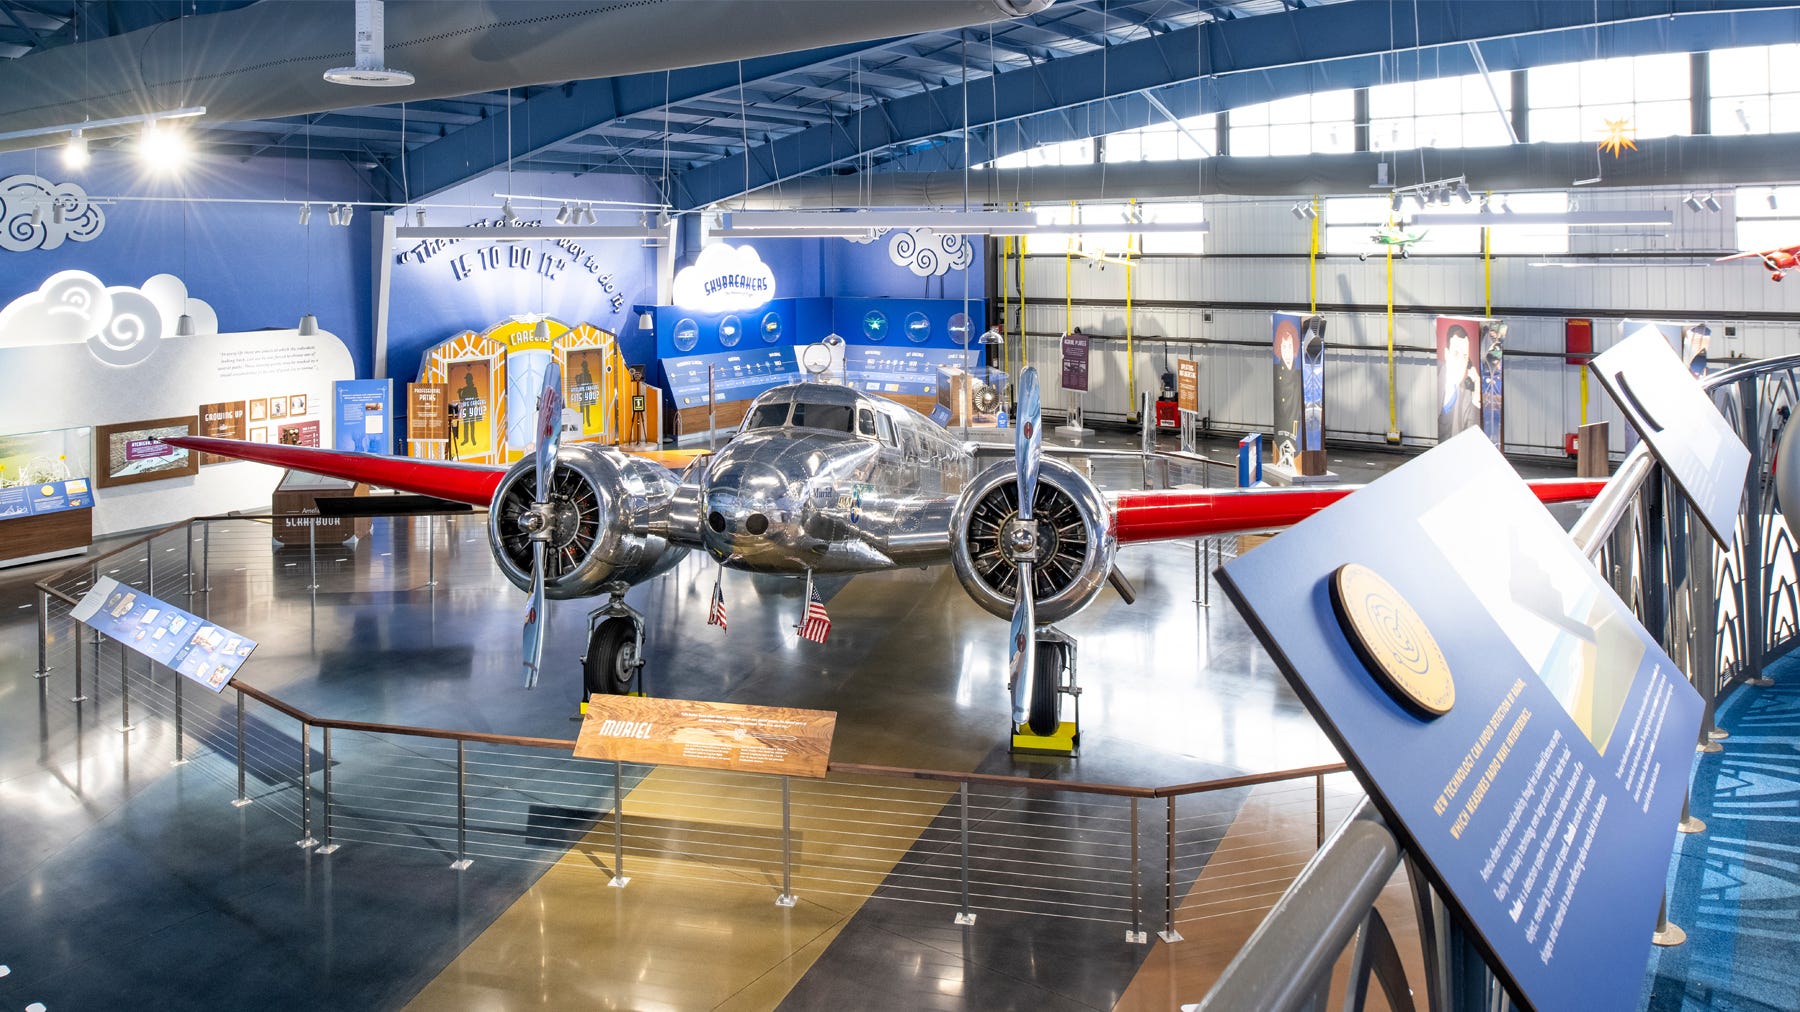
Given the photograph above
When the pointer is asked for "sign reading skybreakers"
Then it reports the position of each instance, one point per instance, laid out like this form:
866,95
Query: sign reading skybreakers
724,278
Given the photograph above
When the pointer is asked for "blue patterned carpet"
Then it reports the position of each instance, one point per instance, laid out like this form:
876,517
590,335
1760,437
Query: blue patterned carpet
1735,888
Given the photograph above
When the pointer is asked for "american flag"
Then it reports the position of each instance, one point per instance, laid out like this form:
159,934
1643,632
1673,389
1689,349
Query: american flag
715,615
817,625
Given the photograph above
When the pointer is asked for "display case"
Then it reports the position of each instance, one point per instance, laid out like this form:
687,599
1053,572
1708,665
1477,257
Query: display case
298,522
735,379
912,376
46,495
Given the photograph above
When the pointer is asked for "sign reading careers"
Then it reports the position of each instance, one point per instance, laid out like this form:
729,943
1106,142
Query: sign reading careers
1533,754
1187,385
1685,431
176,639
1075,362
719,736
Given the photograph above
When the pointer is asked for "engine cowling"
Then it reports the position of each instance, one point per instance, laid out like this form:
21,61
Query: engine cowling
610,512
1075,541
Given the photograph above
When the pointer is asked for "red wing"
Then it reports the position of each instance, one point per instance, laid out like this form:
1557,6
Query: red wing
1741,256
470,483
1179,513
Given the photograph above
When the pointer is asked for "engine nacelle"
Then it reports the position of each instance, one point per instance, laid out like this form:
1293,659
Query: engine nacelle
1075,540
611,510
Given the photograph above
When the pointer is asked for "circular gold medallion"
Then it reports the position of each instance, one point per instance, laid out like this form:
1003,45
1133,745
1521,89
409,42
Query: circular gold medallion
1392,640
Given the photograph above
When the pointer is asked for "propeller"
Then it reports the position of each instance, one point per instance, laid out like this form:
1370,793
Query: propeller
1021,544
540,520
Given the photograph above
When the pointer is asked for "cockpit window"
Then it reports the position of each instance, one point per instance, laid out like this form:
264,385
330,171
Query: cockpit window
766,416
831,417
885,428
865,422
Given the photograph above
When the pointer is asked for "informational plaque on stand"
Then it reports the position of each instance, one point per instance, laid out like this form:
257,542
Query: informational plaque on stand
1525,738
1665,403
177,639
1187,385
1075,362
719,736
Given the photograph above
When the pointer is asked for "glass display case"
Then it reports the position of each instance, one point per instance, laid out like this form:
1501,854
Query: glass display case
34,458
46,494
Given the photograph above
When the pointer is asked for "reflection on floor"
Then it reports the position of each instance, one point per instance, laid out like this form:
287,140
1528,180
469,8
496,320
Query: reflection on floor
123,875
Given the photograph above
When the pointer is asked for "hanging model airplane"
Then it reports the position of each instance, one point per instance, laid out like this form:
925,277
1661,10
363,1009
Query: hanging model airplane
1777,261
820,479
1390,237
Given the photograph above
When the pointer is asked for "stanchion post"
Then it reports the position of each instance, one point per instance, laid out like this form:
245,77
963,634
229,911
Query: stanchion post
1667,933
79,697
431,550
190,558
206,557
619,878
462,810
1136,935
1168,933
1688,823
312,551
124,690
1198,572
1319,810
965,916
43,624
306,837
329,847
242,798
180,733
786,899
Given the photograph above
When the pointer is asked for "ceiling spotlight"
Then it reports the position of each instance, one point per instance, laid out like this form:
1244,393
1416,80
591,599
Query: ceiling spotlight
1743,119
1773,205
507,217
75,152
563,214
305,213
309,325
344,215
184,326
1462,190
162,149
587,214
1712,203
419,216
1297,212
37,216
1693,203
1394,204
56,212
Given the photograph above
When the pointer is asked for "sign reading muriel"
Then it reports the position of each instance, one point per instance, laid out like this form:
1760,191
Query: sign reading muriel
720,736
1525,738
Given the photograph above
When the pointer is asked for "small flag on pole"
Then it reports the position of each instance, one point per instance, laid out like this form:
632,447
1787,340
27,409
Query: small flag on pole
817,624
715,615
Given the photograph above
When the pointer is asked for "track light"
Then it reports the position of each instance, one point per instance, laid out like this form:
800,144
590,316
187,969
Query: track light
587,214
563,213
1711,202
507,217
162,149
56,212
419,216
37,216
1773,204
1462,190
1394,203
75,152
1298,214
1743,119
305,213
1693,203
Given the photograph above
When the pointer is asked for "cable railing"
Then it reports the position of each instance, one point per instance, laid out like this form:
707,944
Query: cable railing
967,843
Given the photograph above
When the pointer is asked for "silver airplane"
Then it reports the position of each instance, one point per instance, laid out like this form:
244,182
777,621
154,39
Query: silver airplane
819,480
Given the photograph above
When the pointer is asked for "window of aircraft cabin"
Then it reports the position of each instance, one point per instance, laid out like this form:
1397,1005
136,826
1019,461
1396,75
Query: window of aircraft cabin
865,421
885,429
766,416
831,417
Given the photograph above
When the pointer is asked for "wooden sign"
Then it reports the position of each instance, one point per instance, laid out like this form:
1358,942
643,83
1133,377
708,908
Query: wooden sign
425,415
719,736
224,420
1187,385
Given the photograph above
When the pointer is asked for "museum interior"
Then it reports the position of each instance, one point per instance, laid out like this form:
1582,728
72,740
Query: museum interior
1239,504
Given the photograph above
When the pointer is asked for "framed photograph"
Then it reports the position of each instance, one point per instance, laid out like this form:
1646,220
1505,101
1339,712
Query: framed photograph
259,434
259,409
277,407
296,405
129,453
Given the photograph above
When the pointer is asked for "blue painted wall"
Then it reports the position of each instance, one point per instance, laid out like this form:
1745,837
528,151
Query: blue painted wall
250,262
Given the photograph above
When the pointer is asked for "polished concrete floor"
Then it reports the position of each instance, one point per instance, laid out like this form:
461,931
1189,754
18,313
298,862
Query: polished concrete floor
125,879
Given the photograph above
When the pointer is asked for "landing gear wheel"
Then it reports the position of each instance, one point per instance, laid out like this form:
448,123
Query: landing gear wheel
611,662
1045,714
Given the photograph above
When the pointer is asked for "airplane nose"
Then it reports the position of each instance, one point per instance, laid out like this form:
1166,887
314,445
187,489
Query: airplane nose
743,499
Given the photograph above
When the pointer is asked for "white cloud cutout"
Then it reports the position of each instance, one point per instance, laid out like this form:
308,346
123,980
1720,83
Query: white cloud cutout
724,278
121,324
20,195
928,254
868,237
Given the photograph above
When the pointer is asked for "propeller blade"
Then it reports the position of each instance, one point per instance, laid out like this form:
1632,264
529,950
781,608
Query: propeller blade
537,619
549,428
1022,647
1029,440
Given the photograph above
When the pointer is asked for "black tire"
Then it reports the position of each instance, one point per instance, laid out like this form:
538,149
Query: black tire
603,669
1045,715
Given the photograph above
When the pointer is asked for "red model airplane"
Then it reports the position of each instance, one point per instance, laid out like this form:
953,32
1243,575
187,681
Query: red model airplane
1778,261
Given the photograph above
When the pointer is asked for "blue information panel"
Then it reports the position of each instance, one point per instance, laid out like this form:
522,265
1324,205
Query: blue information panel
207,653
47,497
901,368
1543,803
736,375
365,415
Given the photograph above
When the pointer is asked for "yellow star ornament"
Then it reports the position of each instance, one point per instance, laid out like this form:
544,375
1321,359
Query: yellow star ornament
1619,134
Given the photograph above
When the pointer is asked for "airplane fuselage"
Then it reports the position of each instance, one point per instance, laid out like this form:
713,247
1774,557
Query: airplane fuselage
832,480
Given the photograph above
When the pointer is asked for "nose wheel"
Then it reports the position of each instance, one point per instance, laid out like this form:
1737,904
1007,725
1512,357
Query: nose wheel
614,662
1045,732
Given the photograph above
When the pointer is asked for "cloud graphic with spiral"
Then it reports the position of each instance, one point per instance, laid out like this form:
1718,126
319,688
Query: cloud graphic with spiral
63,213
121,325
928,254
